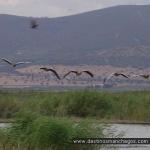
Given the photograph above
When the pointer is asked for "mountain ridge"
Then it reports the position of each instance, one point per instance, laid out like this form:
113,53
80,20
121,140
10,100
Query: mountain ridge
80,13
78,39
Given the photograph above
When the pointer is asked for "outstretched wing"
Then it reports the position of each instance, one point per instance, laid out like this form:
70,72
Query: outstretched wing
19,63
124,75
56,74
7,61
69,73
89,73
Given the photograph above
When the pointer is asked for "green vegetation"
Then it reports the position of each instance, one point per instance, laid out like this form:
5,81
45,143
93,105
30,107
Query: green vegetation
50,120
134,106
31,131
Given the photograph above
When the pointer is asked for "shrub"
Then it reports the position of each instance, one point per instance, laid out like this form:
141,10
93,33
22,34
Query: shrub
31,131
85,104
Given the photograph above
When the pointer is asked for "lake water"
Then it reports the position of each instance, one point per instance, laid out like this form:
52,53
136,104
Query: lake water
2,125
130,131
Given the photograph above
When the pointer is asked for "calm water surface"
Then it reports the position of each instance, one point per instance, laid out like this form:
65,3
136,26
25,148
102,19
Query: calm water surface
131,131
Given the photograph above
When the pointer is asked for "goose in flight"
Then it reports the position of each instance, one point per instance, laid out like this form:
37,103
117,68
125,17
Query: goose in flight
79,73
116,74
14,64
146,76
52,70
34,24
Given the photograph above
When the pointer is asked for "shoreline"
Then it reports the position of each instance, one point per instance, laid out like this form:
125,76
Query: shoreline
95,120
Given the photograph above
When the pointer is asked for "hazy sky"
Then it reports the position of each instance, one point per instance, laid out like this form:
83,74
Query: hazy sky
55,8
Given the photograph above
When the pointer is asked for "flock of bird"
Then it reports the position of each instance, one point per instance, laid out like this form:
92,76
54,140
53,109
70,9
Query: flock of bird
117,74
34,25
78,73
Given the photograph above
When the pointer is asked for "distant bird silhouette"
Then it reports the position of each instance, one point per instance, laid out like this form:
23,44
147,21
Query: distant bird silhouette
79,73
34,24
114,74
52,70
13,64
75,72
88,72
146,76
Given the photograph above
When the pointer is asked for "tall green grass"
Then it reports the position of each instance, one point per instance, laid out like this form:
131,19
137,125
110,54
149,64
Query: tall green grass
33,132
101,105
42,119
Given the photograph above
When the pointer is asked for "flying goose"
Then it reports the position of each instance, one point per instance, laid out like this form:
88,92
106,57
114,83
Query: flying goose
146,76
116,74
34,24
14,64
52,70
79,73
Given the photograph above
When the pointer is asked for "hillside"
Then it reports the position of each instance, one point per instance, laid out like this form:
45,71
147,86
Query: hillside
118,36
